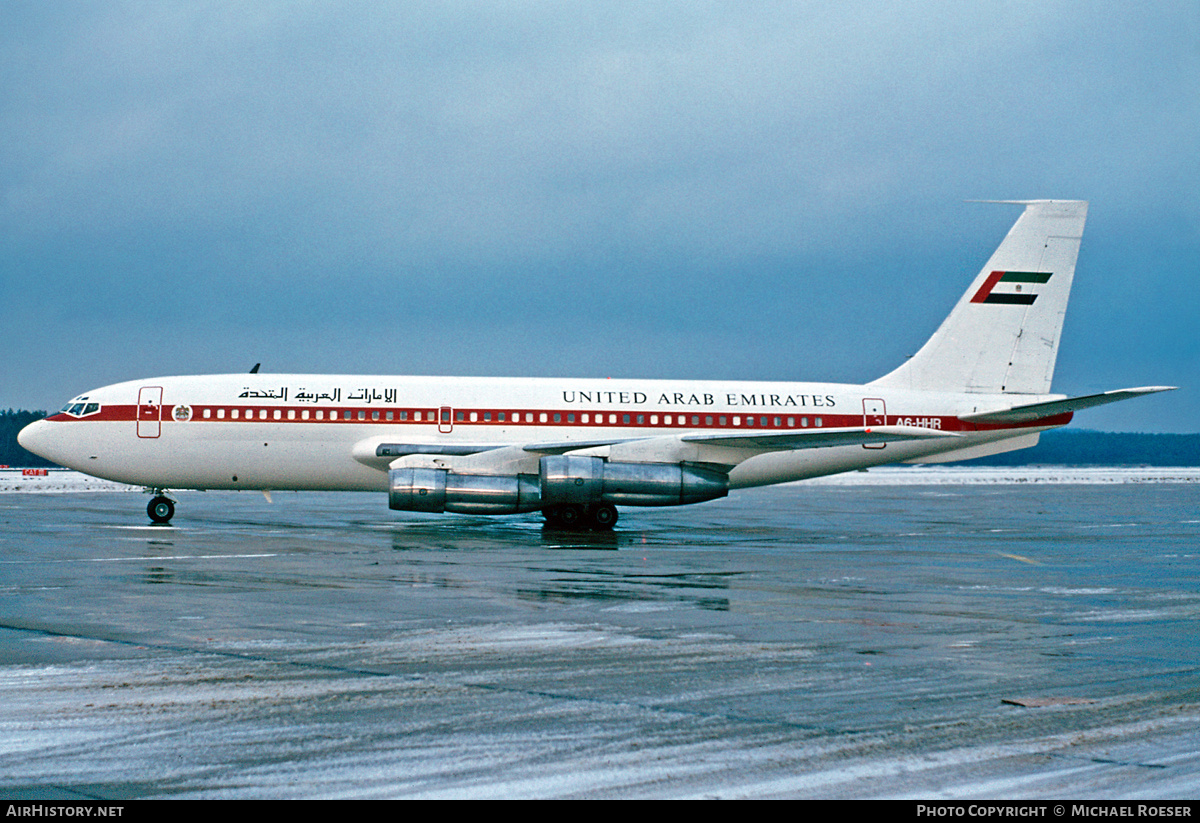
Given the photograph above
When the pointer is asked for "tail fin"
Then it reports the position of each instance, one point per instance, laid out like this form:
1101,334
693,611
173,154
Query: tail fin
1003,334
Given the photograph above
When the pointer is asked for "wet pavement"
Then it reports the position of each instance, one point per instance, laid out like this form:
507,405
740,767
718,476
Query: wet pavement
798,641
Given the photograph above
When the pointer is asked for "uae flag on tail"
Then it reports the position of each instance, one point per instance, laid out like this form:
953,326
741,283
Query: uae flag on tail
1015,288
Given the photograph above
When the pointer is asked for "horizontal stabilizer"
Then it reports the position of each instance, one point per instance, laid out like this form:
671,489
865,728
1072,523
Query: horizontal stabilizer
1037,411
818,438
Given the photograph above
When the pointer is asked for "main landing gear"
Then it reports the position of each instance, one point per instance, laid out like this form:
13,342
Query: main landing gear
573,516
161,509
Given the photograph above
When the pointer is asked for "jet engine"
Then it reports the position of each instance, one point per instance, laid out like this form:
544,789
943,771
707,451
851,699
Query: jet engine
561,480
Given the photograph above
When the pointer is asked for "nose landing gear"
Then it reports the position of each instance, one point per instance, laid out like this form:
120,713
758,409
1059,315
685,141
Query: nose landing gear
161,509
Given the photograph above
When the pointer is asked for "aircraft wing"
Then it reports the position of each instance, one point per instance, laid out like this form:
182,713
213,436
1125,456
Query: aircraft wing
724,449
378,448
564,446
817,438
1036,411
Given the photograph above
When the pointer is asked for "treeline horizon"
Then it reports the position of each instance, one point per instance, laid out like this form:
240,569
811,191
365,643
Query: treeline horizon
11,453
1061,447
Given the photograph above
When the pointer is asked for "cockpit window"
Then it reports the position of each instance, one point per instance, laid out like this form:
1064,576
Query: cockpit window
80,407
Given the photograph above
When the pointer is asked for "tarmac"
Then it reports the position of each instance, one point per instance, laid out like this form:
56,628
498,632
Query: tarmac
944,641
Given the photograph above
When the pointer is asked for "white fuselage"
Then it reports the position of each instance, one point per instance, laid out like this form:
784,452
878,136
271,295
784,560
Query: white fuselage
331,432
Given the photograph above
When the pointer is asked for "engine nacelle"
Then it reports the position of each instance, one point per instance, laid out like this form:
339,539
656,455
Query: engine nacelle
561,480
590,480
439,490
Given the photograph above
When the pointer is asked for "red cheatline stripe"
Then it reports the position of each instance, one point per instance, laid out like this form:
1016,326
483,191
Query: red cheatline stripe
336,416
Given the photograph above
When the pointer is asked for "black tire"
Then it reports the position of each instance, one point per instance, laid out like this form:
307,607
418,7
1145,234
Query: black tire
570,516
603,516
161,510
566,516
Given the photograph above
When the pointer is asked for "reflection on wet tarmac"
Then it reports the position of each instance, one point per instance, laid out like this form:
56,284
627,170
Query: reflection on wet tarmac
795,641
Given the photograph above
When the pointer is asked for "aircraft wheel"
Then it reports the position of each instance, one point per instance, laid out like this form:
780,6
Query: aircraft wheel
570,516
161,510
603,517
567,516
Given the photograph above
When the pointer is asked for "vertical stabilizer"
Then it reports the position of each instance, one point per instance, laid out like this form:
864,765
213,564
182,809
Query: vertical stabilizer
1003,334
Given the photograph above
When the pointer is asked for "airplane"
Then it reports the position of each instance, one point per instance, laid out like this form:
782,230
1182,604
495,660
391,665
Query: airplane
577,449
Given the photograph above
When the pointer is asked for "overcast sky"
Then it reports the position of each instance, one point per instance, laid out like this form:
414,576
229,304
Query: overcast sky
761,191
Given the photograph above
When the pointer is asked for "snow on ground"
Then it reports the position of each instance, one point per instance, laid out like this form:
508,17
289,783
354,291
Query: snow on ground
971,475
64,480
57,480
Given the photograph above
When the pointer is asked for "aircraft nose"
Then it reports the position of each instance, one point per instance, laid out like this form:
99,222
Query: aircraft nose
35,438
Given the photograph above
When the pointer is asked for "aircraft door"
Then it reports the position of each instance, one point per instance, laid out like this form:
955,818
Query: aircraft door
149,411
874,414
445,419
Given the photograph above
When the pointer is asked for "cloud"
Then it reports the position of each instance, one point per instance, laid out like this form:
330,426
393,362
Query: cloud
472,168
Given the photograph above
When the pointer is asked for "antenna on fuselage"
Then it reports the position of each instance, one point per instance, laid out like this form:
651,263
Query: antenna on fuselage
255,369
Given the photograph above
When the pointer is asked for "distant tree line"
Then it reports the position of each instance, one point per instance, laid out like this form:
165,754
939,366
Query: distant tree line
1067,447
11,454
1080,447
